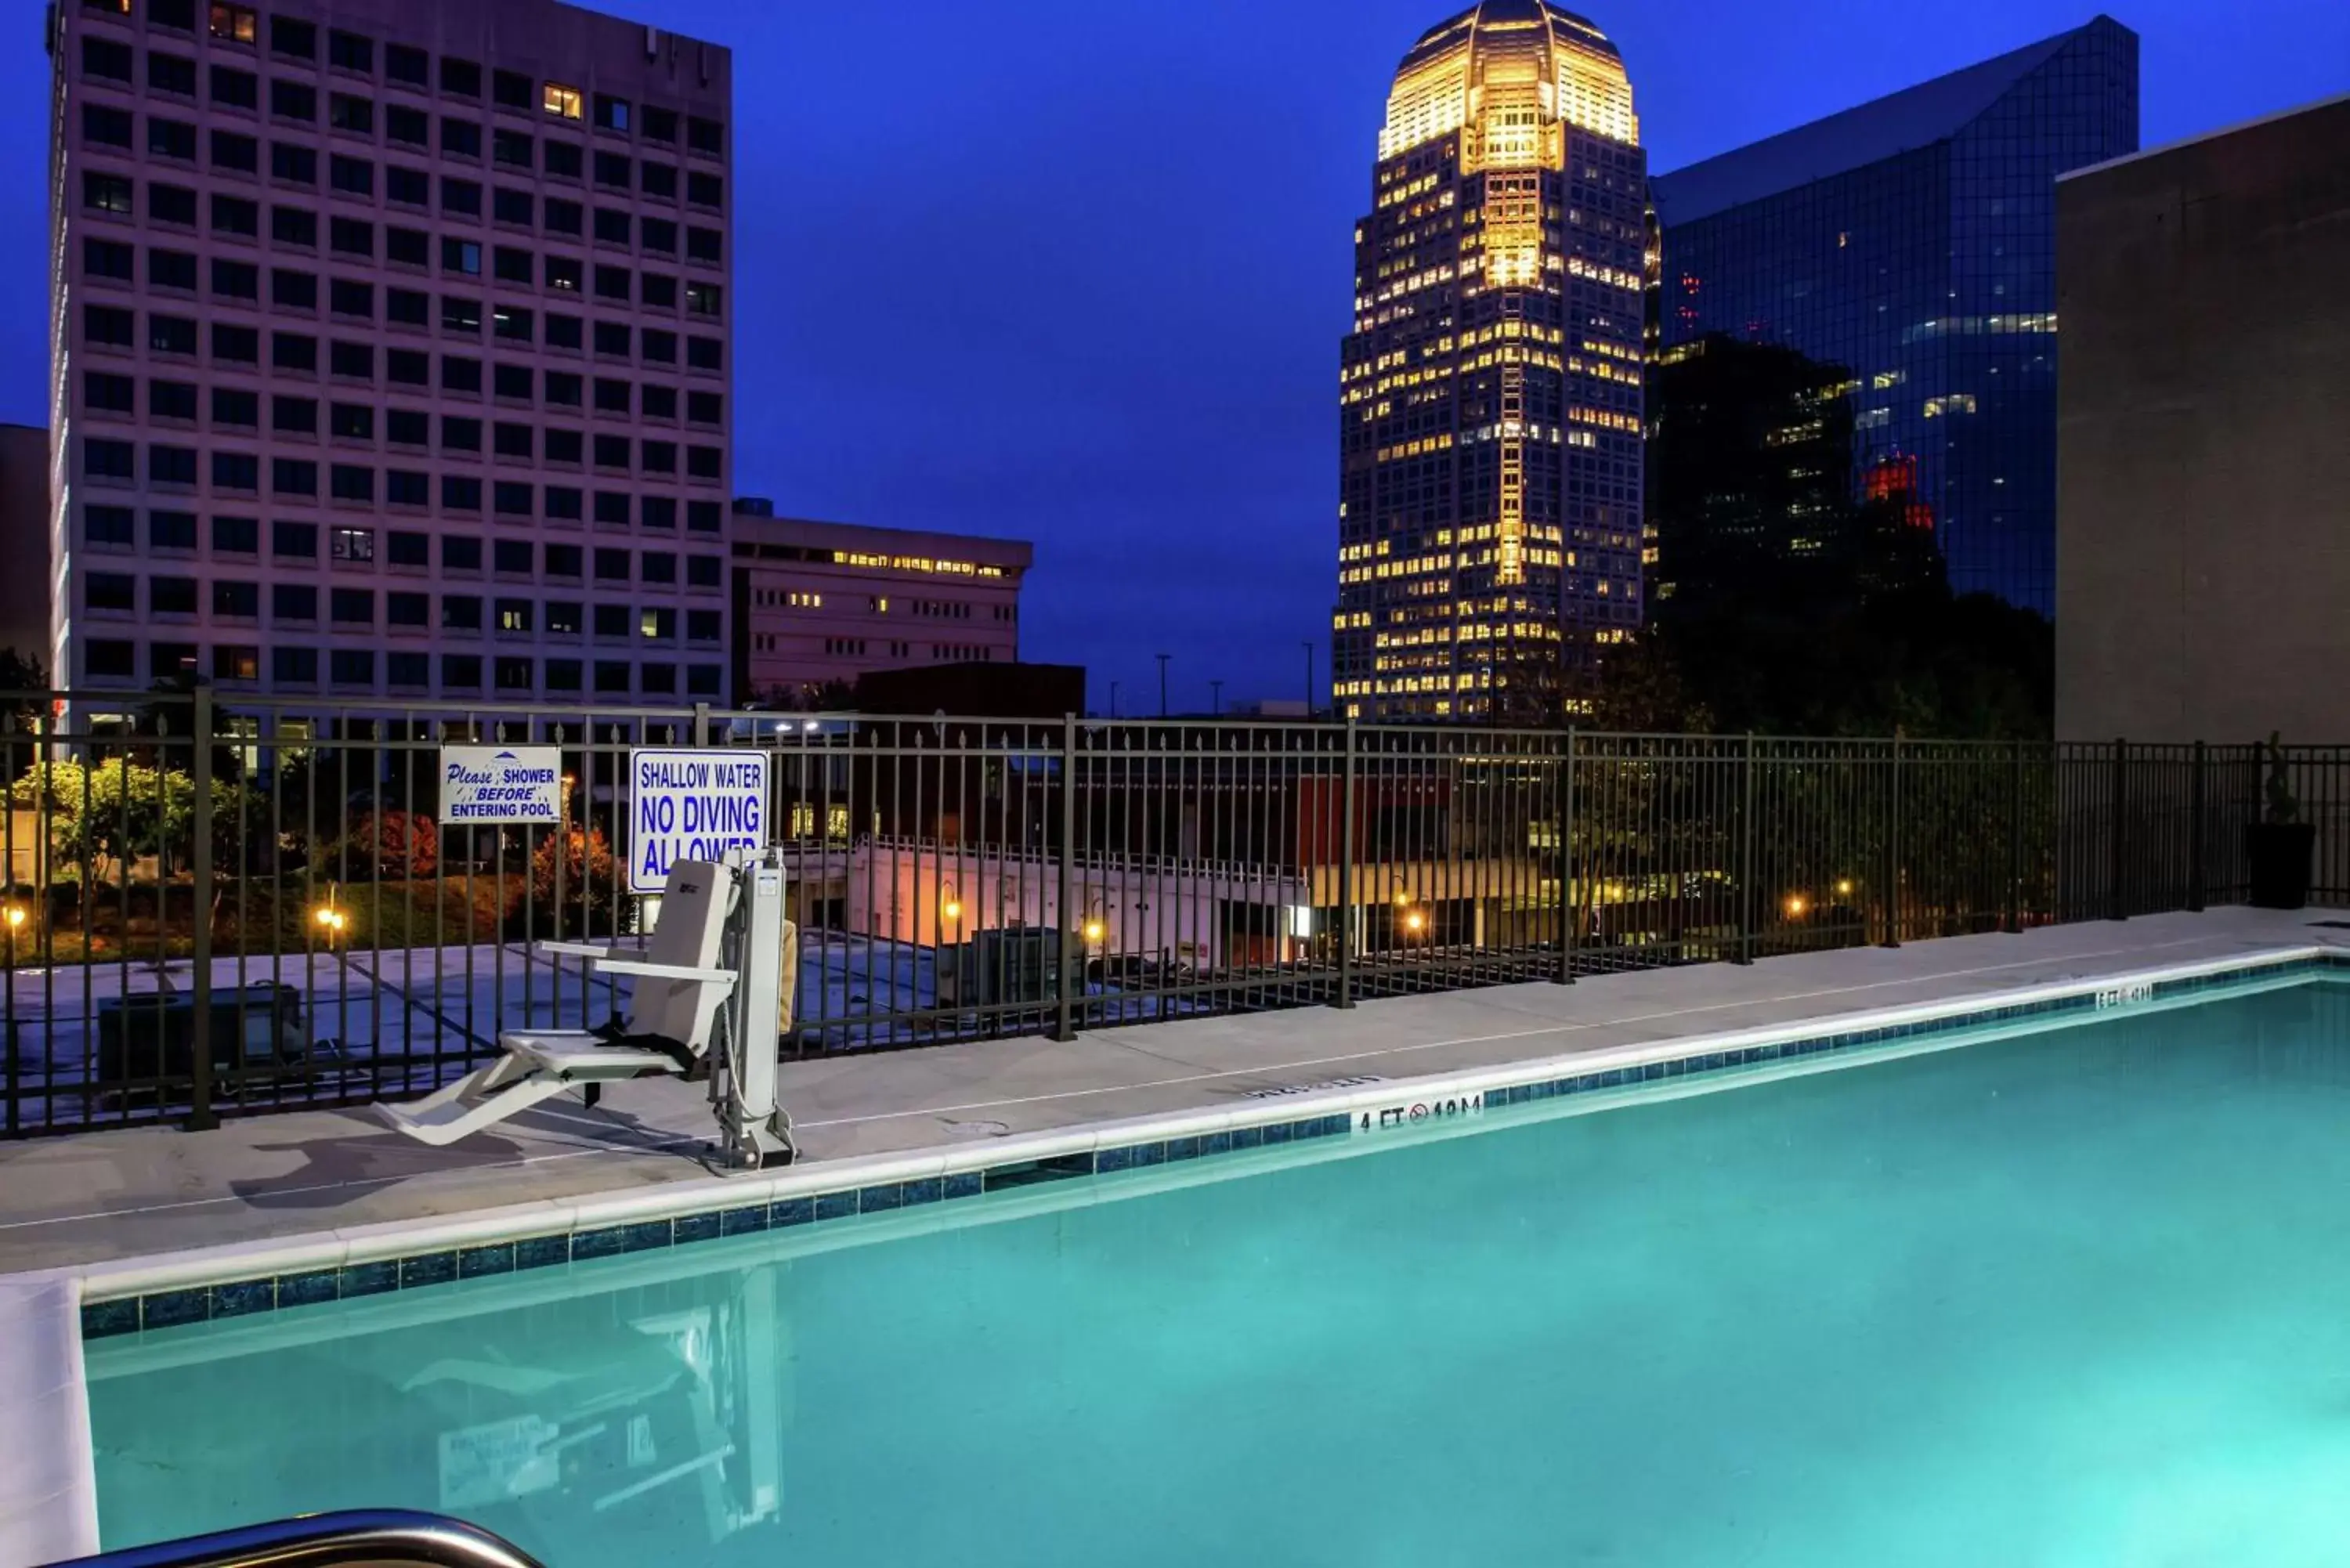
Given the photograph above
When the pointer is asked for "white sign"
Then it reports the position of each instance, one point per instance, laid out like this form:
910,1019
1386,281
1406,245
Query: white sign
1420,1113
2123,995
501,784
690,804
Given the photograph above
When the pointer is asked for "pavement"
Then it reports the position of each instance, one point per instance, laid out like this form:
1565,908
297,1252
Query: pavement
119,1193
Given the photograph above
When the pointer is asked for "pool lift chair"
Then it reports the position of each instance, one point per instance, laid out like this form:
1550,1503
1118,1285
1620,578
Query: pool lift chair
706,998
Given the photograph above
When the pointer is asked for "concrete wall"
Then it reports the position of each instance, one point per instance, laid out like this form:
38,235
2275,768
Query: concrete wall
2203,466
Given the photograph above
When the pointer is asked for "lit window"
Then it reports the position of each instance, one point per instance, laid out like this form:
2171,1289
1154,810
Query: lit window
234,23
557,100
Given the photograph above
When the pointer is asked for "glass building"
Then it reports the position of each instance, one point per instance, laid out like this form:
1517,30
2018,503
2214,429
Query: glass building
1912,240
1490,393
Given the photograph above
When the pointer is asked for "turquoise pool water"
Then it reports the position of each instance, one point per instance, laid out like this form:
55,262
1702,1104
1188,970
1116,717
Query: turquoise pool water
2072,1298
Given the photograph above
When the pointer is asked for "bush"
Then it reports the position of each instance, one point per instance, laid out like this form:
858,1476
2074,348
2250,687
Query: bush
595,904
397,843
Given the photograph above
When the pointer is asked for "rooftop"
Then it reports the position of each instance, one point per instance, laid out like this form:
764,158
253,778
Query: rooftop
1899,122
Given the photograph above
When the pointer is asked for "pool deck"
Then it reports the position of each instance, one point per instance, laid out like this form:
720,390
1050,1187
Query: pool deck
285,1183
94,1197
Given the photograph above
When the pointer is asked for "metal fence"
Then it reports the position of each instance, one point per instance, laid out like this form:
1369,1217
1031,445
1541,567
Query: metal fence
221,907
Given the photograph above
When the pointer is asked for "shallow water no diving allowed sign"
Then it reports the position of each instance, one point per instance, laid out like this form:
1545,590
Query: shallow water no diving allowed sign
689,803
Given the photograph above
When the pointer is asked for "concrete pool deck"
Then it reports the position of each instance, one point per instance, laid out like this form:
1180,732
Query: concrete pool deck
94,1197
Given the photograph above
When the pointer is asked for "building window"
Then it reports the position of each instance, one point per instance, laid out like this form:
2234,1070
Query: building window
462,671
350,52
706,136
611,113
233,24
410,66
563,102
462,78
107,194
351,667
171,530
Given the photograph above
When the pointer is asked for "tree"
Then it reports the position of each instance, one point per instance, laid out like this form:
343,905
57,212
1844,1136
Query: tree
592,900
103,818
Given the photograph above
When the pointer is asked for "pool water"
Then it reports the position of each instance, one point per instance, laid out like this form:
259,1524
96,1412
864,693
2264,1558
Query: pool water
2069,1298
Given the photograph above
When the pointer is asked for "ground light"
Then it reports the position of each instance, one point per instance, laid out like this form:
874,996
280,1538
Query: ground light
1095,930
1844,886
1796,905
16,918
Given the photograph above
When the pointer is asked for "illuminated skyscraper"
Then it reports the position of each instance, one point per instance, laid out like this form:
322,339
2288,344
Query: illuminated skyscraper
1489,454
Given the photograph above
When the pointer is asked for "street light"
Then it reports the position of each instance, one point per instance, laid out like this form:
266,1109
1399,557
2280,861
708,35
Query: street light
1844,886
1796,906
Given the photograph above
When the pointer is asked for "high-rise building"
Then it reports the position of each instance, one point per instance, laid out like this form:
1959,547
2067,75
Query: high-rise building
1912,240
818,605
391,350
1489,405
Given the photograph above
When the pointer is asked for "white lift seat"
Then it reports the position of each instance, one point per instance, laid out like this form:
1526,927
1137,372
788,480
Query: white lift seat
680,987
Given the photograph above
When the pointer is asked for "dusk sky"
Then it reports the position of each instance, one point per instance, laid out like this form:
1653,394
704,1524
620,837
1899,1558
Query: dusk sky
1077,272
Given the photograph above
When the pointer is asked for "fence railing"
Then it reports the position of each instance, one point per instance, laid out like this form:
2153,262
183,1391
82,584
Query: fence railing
221,906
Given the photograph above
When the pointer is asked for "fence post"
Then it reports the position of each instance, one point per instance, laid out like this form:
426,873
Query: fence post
702,724
1746,854
1064,1027
1566,862
200,1115
2114,908
2196,873
2015,922
1346,877
1893,844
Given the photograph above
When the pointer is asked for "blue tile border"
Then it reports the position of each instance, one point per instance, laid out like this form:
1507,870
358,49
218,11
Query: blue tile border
241,1298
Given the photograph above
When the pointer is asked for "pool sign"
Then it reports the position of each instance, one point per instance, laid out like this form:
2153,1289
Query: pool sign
501,784
1420,1112
686,803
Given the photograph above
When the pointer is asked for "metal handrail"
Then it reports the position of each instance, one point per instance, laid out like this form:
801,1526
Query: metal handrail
394,1538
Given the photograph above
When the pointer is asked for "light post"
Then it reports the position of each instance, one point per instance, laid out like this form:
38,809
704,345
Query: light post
1162,683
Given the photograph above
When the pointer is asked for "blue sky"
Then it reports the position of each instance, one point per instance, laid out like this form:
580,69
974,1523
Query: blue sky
1077,272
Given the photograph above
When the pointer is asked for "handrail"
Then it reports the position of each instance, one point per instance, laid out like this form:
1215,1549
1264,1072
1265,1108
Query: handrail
394,1538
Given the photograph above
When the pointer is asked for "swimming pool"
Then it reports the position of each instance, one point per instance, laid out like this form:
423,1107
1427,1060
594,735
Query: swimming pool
2055,1299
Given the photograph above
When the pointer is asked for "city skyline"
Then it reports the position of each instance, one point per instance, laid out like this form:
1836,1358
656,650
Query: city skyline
1150,463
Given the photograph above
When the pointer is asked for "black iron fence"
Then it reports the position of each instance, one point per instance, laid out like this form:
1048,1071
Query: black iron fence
224,907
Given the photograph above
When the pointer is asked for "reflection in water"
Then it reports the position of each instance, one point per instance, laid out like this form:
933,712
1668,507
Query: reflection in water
571,1417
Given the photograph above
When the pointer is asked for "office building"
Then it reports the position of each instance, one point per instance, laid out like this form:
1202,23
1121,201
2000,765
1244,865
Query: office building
2203,442
392,351
818,605
1911,241
1750,467
1490,392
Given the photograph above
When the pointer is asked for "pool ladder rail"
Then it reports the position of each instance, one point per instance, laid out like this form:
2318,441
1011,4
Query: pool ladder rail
380,1538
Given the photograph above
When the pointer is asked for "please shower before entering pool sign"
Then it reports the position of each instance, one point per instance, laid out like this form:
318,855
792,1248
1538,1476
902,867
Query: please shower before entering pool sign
687,803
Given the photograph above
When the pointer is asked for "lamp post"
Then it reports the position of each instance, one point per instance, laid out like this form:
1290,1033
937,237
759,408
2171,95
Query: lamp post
1163,684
